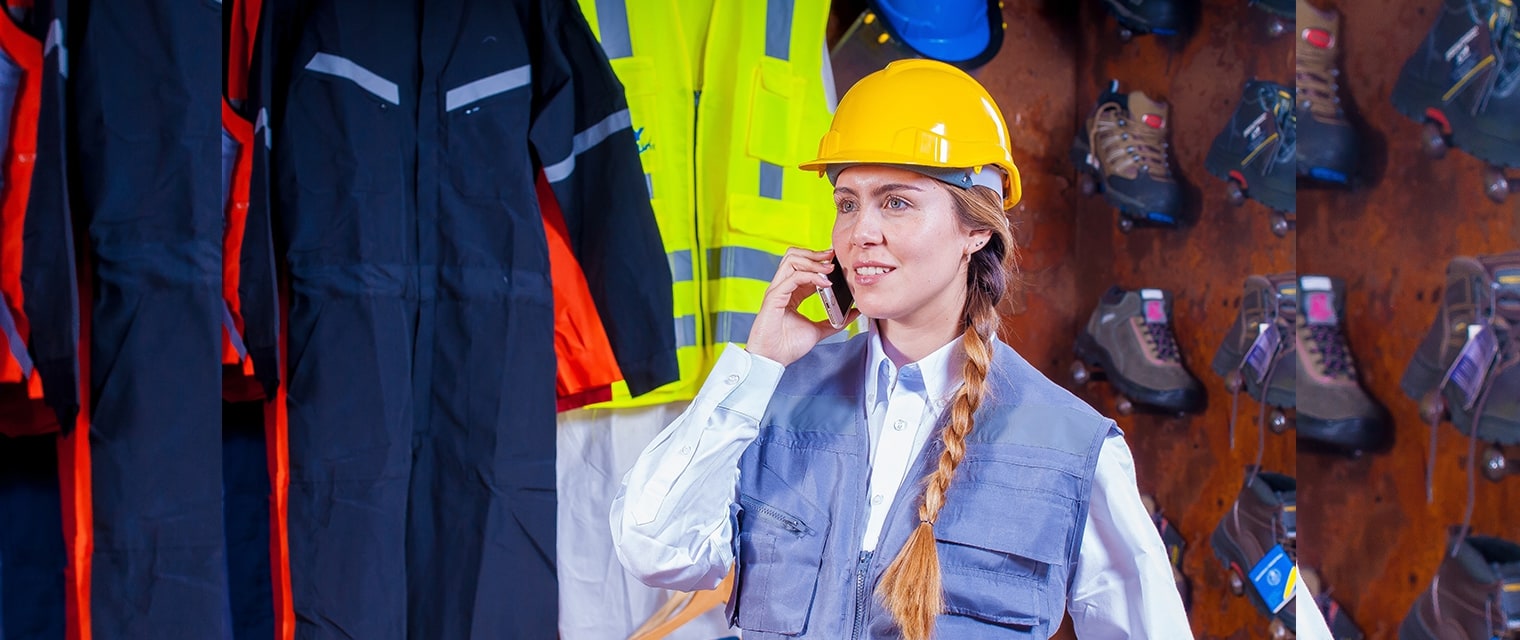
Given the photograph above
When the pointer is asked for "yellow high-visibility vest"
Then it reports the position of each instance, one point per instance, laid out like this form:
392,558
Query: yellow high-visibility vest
727,97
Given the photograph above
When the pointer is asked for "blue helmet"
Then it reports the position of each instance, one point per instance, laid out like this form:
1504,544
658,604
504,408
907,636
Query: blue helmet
966,33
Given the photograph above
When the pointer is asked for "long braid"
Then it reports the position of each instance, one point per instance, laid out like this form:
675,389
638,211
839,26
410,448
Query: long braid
911,587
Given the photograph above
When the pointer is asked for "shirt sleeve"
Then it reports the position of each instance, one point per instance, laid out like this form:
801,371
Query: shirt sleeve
672,520
1307,616
1123,586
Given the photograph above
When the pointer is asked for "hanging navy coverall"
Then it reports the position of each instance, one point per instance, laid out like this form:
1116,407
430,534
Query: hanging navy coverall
405,138
144,82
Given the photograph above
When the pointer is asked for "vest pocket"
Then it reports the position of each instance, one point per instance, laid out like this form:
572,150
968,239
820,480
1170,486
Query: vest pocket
997,574
780,555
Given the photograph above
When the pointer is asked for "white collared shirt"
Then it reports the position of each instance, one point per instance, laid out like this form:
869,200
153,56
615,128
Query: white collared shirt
902,407
672,521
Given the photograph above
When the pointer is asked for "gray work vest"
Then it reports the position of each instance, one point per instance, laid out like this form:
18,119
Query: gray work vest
1008,534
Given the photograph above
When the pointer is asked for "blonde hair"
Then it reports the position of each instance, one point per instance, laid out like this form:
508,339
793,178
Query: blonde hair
910,589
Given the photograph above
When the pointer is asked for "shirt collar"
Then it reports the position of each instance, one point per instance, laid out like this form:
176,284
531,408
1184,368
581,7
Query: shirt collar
942,370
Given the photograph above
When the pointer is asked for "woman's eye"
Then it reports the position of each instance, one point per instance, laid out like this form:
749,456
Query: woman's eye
845,206
894,202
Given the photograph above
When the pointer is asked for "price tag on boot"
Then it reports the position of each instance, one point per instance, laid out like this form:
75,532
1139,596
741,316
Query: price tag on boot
1263,350
1470,369
1274,578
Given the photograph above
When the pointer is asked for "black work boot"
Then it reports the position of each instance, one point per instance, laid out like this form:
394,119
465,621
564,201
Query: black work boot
1122,150
1263,516
1256,152
1474,596
1465,79
1161,17
1327,149
1129,338
1333,407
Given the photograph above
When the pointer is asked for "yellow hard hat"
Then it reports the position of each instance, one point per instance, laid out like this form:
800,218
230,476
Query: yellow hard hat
921,113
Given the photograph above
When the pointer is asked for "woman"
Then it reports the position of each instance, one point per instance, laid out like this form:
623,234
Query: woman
921,478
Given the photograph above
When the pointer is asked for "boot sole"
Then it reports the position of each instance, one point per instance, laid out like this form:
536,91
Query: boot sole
1094,355
1128,207
1495,430
1352,435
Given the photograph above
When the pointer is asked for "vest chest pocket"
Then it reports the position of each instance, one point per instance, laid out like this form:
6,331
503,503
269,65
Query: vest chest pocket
781,541
1003,559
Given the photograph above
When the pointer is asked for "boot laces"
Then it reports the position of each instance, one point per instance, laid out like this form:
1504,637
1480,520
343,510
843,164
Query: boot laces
1505,30
1281,109
1123,141
1162,341
1329,343
1317,88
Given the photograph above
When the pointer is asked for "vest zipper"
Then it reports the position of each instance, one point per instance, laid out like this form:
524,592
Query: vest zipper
861,569
792,524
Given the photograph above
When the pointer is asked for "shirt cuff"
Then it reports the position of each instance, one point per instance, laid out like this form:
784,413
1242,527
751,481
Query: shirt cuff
753,378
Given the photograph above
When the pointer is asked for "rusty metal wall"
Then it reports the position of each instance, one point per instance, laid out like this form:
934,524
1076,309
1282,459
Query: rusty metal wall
1189,463
1366,522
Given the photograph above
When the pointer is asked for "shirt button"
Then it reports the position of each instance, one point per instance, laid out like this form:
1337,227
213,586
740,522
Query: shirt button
876,499
899,425
733,378
686,450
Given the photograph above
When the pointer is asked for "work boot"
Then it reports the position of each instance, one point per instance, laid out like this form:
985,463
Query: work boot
1174,543
1263,516
1161,17
1499,421
1333,407
1342,627
1268,300
1328,151
1256,151
1123,150
1129,338
1473,292
1465,299
1465,80
1279,8
1475,594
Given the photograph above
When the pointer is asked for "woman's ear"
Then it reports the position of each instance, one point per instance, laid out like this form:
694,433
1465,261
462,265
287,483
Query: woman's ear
977,240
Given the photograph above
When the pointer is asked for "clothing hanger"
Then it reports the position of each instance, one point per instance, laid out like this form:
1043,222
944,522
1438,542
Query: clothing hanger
682,608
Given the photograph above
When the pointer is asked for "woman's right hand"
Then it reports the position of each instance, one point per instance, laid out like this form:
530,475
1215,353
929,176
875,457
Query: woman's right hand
780,332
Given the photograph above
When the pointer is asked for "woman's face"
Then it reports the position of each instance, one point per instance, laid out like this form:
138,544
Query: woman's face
901,244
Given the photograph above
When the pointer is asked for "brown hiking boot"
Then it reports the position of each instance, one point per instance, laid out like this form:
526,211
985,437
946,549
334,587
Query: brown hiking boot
1129,339
1474,596
1333,408
1264,516
1122,151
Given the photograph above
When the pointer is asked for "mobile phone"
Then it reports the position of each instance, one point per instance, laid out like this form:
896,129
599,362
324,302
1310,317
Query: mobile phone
837,298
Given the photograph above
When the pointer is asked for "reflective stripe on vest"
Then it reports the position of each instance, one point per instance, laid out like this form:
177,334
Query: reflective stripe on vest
774,111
